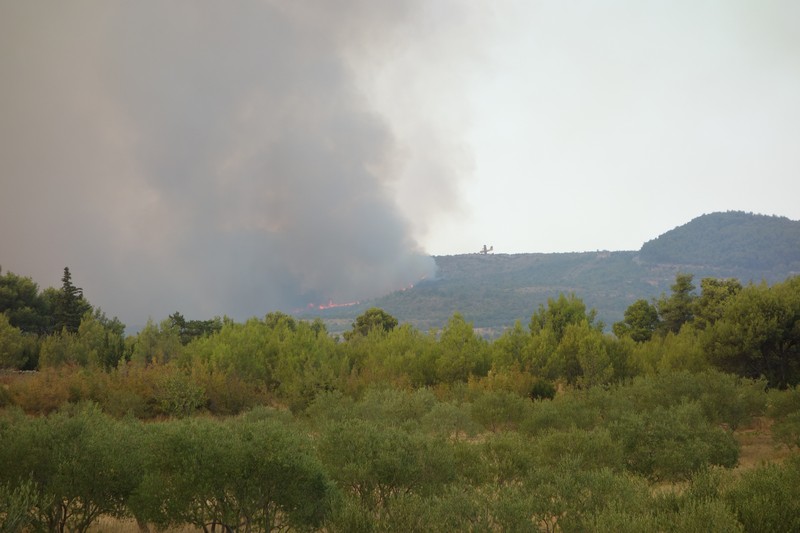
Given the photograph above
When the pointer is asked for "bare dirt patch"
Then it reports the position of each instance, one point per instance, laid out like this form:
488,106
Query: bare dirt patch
757,446
107,524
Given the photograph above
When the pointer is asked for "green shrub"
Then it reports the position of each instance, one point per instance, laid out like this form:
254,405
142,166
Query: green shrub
768,498
671,444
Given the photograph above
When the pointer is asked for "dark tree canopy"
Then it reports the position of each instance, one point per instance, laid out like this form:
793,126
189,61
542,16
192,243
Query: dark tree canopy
678,309
641,321
758,334
188,330
25,307
372,318
669,314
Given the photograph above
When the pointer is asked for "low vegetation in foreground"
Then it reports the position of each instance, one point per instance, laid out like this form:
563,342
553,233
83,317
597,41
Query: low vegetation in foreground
687,418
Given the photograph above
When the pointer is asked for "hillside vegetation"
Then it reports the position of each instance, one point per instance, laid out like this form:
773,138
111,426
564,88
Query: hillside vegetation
733,240
493,291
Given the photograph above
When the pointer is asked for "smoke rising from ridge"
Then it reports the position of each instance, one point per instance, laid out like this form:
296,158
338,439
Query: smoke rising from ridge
198,156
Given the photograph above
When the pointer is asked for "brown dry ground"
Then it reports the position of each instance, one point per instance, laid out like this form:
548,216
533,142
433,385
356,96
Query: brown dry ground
758,447
113,525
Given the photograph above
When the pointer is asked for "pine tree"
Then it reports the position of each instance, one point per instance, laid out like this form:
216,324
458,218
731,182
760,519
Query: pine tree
70,305
677,310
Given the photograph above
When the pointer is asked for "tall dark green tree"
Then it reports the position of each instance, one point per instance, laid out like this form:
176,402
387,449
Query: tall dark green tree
678,309
758,334
641,321
70,305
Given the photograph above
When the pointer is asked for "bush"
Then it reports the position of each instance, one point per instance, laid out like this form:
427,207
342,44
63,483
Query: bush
768,498
177,395
15,505
541,389
670,444
588,449
82,462
723,398
499,409
45,391
784,408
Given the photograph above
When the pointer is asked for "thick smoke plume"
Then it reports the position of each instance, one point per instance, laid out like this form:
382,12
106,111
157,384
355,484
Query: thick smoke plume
200,156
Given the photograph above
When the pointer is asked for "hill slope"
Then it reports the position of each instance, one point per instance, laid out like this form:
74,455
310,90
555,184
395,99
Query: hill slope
732,240
493,291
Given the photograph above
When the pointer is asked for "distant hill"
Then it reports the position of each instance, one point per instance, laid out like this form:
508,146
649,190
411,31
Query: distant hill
493,291
732,240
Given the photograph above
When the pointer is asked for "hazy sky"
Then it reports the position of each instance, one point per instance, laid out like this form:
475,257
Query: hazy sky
239,157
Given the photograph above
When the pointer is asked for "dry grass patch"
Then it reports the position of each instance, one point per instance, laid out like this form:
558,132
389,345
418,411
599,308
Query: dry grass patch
757,446
108,524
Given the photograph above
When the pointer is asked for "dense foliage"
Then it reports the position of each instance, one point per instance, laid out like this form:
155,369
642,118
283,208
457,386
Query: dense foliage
274,424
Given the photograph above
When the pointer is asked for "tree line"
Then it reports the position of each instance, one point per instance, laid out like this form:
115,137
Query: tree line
748,330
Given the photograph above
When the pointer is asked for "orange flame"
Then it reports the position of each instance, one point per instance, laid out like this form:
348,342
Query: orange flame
331,305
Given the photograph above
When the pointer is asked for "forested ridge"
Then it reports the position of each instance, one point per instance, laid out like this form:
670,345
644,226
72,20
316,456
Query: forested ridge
276,424
494,290
734,239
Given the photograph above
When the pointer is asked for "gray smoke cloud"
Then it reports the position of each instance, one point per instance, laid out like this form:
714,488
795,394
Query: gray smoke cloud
207,157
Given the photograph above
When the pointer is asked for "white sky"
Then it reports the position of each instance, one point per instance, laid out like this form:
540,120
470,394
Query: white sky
576,126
